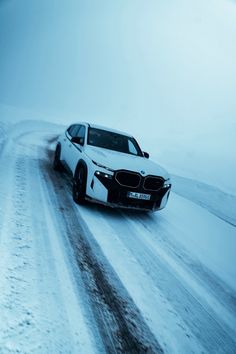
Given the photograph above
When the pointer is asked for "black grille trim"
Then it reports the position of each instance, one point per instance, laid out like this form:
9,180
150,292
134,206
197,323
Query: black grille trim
153,183
128,179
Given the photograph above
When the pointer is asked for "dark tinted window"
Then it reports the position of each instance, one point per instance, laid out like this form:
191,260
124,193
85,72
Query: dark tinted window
113,141
81,132
73,130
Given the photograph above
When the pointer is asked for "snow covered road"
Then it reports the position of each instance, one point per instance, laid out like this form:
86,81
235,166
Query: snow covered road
91,279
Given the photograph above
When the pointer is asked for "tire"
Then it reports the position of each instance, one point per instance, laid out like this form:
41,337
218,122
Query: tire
79,185
57,165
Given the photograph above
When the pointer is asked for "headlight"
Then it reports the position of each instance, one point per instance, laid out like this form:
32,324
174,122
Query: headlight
102,174
106,168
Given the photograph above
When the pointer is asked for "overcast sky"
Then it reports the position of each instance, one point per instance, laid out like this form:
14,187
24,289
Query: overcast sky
171,61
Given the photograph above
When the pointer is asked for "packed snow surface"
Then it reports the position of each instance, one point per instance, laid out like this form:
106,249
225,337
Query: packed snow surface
89,279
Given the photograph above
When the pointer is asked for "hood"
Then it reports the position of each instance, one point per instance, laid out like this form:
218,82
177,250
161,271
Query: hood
121,161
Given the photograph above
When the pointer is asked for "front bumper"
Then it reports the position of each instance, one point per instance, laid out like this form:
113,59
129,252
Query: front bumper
117,196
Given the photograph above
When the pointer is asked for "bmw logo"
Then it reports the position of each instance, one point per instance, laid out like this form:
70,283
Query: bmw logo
143,172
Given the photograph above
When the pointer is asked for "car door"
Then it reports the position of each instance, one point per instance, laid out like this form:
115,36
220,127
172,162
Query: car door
76,150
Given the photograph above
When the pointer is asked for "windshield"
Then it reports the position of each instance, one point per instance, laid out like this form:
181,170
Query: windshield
113,141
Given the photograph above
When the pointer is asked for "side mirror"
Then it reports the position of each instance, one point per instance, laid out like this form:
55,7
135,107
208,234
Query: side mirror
146,154
77,140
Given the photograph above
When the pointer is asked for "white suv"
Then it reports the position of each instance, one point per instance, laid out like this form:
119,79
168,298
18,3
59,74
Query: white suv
109,167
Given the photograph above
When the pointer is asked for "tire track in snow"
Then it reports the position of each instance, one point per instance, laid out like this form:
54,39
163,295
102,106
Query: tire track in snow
212,284
121,325
66,327
34,315
200,319
19,322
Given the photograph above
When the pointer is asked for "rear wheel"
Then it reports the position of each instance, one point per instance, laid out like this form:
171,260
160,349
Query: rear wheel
79,185
57,165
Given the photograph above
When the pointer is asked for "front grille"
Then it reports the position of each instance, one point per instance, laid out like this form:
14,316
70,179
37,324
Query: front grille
152,183
128,179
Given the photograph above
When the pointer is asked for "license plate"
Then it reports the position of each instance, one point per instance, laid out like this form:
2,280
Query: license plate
138,195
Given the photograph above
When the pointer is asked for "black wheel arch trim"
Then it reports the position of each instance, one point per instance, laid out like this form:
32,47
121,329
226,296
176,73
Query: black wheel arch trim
58,145
81,162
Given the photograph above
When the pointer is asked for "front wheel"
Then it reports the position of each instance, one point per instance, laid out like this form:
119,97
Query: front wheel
79,186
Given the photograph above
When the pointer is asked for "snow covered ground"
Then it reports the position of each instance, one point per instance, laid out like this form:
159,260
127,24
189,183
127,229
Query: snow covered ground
90,279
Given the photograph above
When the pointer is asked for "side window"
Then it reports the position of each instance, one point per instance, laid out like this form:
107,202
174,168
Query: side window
73,130
76,130
70,129
81,134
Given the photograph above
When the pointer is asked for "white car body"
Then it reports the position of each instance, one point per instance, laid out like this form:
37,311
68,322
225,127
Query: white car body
113,177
